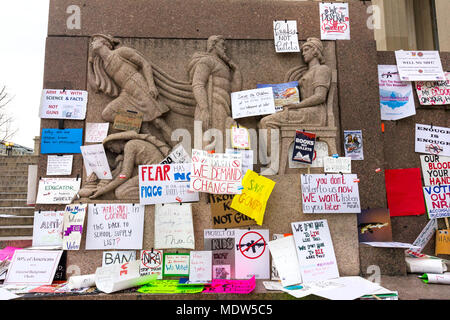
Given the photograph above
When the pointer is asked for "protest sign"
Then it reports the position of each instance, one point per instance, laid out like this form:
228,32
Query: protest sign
274,272
434,92
330,193
247,158
128,120
320,152
396,96
224,216
47,228
391,244
200,266
94,158
173,226
437,199
151,262
63,104
251,254
177,155
74,215
96,132
61,141
165,183
304,146
252,102
231,286
59,165
117,257
284,257
240,138
432,140
170,286
176,265
436,278
84,281
419,65
374,225
435,169
115,226
338,165
353,144
315,250
218,173
442,242
33,267
57,190
404,192
221,242
285,36
283,93
334,21
424,236
253,199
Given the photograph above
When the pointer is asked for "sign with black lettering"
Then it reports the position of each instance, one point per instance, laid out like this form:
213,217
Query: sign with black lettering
117,257
221,243
304,146
225,217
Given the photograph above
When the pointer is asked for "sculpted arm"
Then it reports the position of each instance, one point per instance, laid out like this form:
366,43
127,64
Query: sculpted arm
319,97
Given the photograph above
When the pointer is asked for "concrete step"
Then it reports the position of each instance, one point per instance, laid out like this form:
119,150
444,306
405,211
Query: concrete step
19,159
14,172
13,195
18,211
13,183
14,231
13,220
13,202
16,241
9,189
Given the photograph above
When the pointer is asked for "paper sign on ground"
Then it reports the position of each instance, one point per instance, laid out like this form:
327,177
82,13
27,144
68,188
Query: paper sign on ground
127,120
240,138
320,152
94,158
330,193
315,250
173,226
283,93
435,169
252,254
252,102
434,92
151,262
437,199
218,173
285,36
96,132
231,286
115,226
432,140
224,216
117,257
424,237
353,144
396,96
59,165
374,225
419,65
436,278
442,242
200,266
337,165
63,104
57,190
247,158
177,155
165,183
284,256
304,146
74,215
351,289
169,286
47,228
33,267
61,141
334,21
398,245
222,244
176,265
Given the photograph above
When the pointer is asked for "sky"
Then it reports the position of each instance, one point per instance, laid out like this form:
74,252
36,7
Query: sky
23,30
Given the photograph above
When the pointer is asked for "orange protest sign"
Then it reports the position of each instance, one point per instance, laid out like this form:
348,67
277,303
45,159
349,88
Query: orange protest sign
442,242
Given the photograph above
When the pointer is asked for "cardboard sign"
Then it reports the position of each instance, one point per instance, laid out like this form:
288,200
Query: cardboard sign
353,144
315,250
338,165
94,159
252,254
240,138
437,199
47,228
404,192
224,216
173,226
320,152
33,267
396,96
285,36
246,156
334,21
284,257
432,140
252,102
57,190
165,183
424,236
419,65
222,244
435,169
115,226
61,141
127,121
151,263
442,242
96,132
117,257
304,146
434,92
374,225
253,199
330,193
74,215
63,104
59,165
218,173
283,93
177,155
231,286
176,265
200,266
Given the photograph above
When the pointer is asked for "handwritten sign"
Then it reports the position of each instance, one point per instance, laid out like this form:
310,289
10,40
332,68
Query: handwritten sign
57,190
432,140
224,216
240,138
332,193
94,158
231,286
304,146
61,141
252,254
127,121
442,242
117,257
200,266
74,215
177,155
115,226
47,228
247,158
434,92
96,132
221,242
165,183
315,250
176,265
173,226
424,237
340,164
419,65
218,173
285,36
334,21
151,262
353,144
437,199
435,169
63,104
253,199
284,257
59,165
252,102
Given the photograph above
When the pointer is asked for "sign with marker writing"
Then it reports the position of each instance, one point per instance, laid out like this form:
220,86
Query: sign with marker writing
176,265
334,21
128,120
151,263
59,165
240,138
96,132
221,242
442,242
231,286
419,65
200,266
437,200
435,169
74,215
424,236
94,159
47,228
252,254
432,140
57,190
177,155
338,165
285,36
252,102
63,104
304,146
434,93
224,216
247,158
61,140
117,257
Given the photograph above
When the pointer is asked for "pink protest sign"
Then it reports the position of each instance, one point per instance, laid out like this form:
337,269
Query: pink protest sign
231,286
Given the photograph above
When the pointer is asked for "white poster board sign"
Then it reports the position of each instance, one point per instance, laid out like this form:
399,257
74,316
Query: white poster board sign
284,257
151,262
177,155
435,169
339,165
437,200
74,215
432,140
60,165
247,158
334,21
419,65
200,266
117,257
252,102
63,104
431,93
96,132
285,36
57,190
47,228
94,158
252,254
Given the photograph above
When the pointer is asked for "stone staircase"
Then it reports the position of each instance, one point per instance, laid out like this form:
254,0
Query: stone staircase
16,217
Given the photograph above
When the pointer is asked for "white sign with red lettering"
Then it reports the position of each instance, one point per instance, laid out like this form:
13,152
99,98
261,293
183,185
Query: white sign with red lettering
63,104
435,169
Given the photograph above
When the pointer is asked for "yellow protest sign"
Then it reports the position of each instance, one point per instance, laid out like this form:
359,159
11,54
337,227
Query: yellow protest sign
442,242
253,199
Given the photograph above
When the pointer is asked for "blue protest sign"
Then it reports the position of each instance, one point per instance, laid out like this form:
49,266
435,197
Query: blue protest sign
61,140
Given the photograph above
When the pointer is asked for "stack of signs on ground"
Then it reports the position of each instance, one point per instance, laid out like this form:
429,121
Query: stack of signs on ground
221,242
432,140
151,262
304,146
224,216
73,226
374,225
353,144
47,228
283,93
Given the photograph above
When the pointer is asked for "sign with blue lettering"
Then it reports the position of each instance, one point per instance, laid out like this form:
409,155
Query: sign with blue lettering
61,140
165,183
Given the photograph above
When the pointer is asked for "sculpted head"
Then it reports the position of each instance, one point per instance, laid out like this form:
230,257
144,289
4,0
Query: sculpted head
216,44
100,40
313,49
